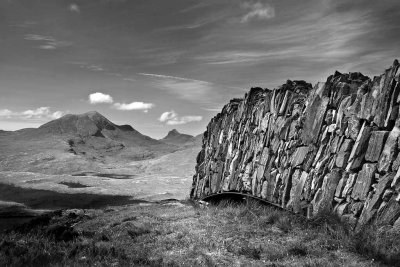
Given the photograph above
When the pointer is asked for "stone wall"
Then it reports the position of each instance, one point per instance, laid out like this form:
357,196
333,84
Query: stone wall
311,150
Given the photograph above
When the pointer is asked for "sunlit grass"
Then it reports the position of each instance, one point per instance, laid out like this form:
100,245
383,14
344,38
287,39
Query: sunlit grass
187,234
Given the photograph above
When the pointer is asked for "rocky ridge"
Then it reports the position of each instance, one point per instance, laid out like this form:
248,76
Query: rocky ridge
334,147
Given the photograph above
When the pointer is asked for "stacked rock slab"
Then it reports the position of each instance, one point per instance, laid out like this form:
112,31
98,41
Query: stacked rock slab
333,147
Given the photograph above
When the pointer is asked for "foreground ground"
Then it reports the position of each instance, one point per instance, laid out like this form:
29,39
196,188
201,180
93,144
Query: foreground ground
186,234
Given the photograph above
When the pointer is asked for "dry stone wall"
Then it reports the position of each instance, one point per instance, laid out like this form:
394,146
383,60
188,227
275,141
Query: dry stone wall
334,147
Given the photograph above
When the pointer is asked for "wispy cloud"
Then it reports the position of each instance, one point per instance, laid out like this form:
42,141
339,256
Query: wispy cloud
30,114
47,42
99,98
172,118
74,8
24,24
188,89
258,11
129,79
237,56
335,38
134,106
93,67
213,109
5,113
170,77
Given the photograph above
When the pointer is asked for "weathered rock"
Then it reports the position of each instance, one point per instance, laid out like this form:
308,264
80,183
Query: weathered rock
342,209
383,101
356,208
314,118
372,205
359,148
390,212
323,200
299,156
334,145
364,181
349,184
341,185
375,145
342,159
396,163
264,190
396,225
396,180
295,196
389,151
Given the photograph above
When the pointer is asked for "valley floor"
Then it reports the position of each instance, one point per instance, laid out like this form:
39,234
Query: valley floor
182,233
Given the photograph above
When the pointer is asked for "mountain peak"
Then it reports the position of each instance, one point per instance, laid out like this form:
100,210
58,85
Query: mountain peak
174,131
86,124
177,138
92,113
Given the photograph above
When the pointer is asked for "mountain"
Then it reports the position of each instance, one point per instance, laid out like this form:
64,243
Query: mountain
93,124
182,140
74,142
177,138
198,139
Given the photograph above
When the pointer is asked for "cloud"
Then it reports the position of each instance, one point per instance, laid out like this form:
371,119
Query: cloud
48,42
31,114
24,24
188,89
134,106
47,47
172,118
74,8
91,67
258,11
5,113
168,115
170,77
238,56
213,109
98,98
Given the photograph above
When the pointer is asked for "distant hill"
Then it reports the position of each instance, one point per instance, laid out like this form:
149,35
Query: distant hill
183,140
199,139
93,124
75,141
177,138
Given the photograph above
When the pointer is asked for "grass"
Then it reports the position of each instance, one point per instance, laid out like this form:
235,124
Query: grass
186,234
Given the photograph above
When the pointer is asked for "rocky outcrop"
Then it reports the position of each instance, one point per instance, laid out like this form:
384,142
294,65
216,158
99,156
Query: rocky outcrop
333,147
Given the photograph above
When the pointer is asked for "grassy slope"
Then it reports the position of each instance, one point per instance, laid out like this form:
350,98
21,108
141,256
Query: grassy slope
184,234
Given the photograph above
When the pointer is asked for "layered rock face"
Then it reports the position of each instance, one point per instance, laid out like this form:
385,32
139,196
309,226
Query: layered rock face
333,147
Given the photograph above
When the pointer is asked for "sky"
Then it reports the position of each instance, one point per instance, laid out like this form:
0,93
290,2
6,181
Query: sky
160,65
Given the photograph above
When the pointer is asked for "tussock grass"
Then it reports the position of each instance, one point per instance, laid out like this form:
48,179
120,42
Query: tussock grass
188,234
378,244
